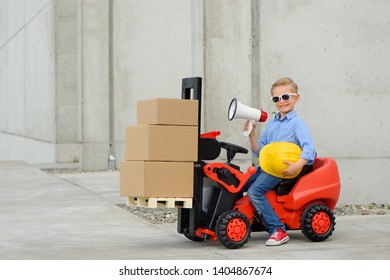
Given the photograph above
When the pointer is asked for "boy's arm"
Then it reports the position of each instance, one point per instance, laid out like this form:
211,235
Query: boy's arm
308,151
256,144
306,142
253,141
293,168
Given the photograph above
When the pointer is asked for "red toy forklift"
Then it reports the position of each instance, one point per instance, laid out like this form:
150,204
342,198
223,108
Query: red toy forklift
222,212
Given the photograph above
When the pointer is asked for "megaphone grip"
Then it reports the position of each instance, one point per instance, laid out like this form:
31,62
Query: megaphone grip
250,127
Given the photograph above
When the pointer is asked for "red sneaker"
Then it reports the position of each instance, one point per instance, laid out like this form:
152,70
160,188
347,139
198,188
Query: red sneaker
277,238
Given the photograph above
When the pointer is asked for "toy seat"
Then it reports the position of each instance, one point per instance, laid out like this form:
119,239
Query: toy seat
284,187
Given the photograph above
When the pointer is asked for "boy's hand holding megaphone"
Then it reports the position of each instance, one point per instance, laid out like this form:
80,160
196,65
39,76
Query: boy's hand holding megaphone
249,127
239,111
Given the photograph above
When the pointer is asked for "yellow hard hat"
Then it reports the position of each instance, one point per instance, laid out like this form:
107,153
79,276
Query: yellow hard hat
273,156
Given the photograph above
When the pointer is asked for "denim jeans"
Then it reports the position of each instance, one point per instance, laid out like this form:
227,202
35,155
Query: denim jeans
256,186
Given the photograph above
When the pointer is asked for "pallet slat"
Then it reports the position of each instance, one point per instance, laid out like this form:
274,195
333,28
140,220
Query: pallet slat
156,202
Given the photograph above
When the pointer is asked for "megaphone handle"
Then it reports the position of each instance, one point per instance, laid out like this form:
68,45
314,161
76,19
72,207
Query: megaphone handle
250,127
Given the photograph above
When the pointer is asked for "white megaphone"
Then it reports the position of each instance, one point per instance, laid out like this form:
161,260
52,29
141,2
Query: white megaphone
238,110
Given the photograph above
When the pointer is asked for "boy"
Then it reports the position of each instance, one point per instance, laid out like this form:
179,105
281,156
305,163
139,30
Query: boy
287,126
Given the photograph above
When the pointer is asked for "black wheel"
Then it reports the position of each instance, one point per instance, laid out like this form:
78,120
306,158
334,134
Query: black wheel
317,222
233,229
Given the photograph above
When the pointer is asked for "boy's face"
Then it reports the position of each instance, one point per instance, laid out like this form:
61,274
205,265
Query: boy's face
285,106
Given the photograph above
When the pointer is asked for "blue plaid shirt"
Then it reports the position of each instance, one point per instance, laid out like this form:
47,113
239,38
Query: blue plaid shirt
290,129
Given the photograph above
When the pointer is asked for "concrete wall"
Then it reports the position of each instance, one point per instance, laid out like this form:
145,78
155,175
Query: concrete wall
27,67
94,83
230,43
152,48
335,51
338,54
72,72
66,81
129,51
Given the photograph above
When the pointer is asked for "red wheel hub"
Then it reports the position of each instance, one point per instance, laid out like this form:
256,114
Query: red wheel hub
320,222
236,229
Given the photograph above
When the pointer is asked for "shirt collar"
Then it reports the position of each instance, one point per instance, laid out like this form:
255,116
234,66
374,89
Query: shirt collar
289,116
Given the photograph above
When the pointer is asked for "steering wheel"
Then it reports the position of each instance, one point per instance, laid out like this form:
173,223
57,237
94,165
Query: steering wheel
232,150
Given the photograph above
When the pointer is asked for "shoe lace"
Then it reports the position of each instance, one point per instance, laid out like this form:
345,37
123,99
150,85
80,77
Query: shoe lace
275,235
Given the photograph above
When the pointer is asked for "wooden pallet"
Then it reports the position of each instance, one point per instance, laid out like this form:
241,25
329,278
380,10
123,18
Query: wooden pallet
156,202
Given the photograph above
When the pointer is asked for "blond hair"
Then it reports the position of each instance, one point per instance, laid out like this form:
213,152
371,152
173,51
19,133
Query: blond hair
285,82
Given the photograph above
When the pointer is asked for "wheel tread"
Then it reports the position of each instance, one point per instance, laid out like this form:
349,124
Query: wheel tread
306,222
221,229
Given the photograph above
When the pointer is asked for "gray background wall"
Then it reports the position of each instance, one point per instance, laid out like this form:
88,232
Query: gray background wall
27,81
71,72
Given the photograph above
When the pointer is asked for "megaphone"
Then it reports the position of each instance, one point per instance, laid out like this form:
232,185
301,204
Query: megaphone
238,110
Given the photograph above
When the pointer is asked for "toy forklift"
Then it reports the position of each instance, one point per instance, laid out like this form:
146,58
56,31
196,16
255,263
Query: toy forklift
221,211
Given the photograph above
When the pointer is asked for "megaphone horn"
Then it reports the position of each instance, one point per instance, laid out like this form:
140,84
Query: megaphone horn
238,110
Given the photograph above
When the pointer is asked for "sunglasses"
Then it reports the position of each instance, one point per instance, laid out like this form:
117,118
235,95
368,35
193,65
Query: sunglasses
285,96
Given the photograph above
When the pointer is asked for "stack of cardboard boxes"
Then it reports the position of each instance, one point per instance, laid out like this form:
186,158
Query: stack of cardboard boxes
160,151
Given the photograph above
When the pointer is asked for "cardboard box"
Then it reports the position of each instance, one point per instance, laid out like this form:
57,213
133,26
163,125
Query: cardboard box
167,111
161,143
156,179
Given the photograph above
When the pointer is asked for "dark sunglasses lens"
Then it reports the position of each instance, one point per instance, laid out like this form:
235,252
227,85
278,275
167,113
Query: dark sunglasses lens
275,99
285,96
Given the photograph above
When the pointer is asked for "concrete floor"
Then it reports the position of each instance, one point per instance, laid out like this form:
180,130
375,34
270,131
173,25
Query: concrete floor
76,217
